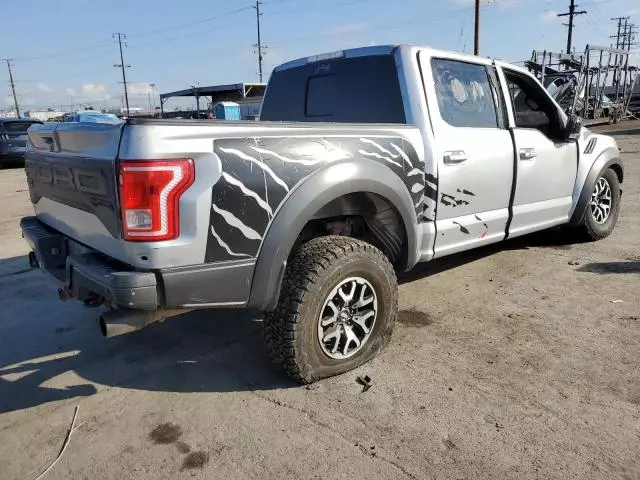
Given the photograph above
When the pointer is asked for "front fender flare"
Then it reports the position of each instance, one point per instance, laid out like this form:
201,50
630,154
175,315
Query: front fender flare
608,158
310,196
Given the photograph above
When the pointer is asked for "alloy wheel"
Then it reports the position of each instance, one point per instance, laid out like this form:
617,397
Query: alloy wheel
347,318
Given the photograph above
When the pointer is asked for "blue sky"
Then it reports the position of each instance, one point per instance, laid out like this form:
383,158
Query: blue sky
63,51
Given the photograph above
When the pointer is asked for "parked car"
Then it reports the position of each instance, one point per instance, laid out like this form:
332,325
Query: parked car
13,139
91,117
427,153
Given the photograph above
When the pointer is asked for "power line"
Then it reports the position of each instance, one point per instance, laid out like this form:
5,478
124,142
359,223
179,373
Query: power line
65,53
389,26
571,13
190,24
226,26
123,67
318,7
13,87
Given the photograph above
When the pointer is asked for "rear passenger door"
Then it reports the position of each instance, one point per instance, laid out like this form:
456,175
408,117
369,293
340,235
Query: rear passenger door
473,149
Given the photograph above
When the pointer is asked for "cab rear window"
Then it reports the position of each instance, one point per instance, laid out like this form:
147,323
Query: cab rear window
350,90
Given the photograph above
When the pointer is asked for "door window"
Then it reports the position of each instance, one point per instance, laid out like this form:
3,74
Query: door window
464,93
532,107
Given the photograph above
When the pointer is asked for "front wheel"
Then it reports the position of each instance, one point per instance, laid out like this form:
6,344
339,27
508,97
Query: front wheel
602,213
337,308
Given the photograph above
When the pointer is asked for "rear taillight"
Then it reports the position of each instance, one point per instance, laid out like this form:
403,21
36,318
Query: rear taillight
149,197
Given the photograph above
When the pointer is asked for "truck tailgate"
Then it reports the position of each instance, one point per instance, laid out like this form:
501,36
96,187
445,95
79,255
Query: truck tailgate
72,178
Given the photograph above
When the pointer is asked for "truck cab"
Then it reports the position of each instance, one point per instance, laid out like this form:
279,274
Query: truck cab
502,155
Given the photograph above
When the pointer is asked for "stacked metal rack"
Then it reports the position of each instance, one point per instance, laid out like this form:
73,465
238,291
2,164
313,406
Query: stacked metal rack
599,85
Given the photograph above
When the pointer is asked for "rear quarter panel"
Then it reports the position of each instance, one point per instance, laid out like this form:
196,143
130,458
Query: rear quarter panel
259,174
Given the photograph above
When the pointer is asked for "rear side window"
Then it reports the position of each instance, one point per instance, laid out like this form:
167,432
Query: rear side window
17,127
350,90
465,97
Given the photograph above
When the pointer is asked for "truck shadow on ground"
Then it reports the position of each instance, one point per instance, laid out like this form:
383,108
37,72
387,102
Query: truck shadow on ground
54,351
554,239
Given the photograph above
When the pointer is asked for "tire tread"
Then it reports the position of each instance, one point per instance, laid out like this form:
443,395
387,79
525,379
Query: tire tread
306,268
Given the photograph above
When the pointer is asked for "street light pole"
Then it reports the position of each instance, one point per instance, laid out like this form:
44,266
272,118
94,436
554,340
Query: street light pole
153,95
197,95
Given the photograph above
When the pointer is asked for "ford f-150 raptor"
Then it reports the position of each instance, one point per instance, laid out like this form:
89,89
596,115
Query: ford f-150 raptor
365,162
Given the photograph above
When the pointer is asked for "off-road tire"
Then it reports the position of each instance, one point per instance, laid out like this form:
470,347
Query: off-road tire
590,230
291,330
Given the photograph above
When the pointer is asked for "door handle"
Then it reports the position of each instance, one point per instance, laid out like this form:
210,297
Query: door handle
455,157
528,153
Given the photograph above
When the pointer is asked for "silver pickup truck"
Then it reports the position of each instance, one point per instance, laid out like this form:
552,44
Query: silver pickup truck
365,163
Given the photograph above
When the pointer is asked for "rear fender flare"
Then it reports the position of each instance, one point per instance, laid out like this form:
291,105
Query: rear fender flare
308,198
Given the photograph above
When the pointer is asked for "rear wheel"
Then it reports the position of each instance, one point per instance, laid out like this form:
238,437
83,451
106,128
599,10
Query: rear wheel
602,213
337,308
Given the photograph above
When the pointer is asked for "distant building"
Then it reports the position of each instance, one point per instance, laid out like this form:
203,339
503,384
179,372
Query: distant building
43,115
247,95
123,111
8,115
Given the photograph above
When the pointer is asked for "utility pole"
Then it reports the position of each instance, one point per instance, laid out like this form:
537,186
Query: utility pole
617,73
630,35
571,13
13,87
259,44
123,67
618,36
476,34
623,44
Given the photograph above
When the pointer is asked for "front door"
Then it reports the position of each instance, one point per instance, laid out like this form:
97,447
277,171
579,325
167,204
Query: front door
474,151
546,165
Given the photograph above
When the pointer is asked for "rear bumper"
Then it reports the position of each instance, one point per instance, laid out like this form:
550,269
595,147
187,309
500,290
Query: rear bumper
86,275
91,277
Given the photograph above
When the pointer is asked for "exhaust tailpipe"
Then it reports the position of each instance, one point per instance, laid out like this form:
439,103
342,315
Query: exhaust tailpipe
119,322
33,260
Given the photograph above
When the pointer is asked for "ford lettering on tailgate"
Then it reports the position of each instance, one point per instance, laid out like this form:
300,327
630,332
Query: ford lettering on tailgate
81,180
92,190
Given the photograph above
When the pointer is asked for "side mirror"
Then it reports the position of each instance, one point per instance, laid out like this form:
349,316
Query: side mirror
573,127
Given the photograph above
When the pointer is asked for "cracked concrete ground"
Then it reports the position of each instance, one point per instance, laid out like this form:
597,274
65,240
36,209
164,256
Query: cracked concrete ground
516,361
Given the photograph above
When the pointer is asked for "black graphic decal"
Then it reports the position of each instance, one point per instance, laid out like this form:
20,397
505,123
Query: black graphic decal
451,201
463,229
259,173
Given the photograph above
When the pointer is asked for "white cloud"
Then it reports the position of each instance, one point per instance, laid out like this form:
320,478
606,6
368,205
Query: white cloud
347,28
89,92
139,88
43,87
549,16
92,91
